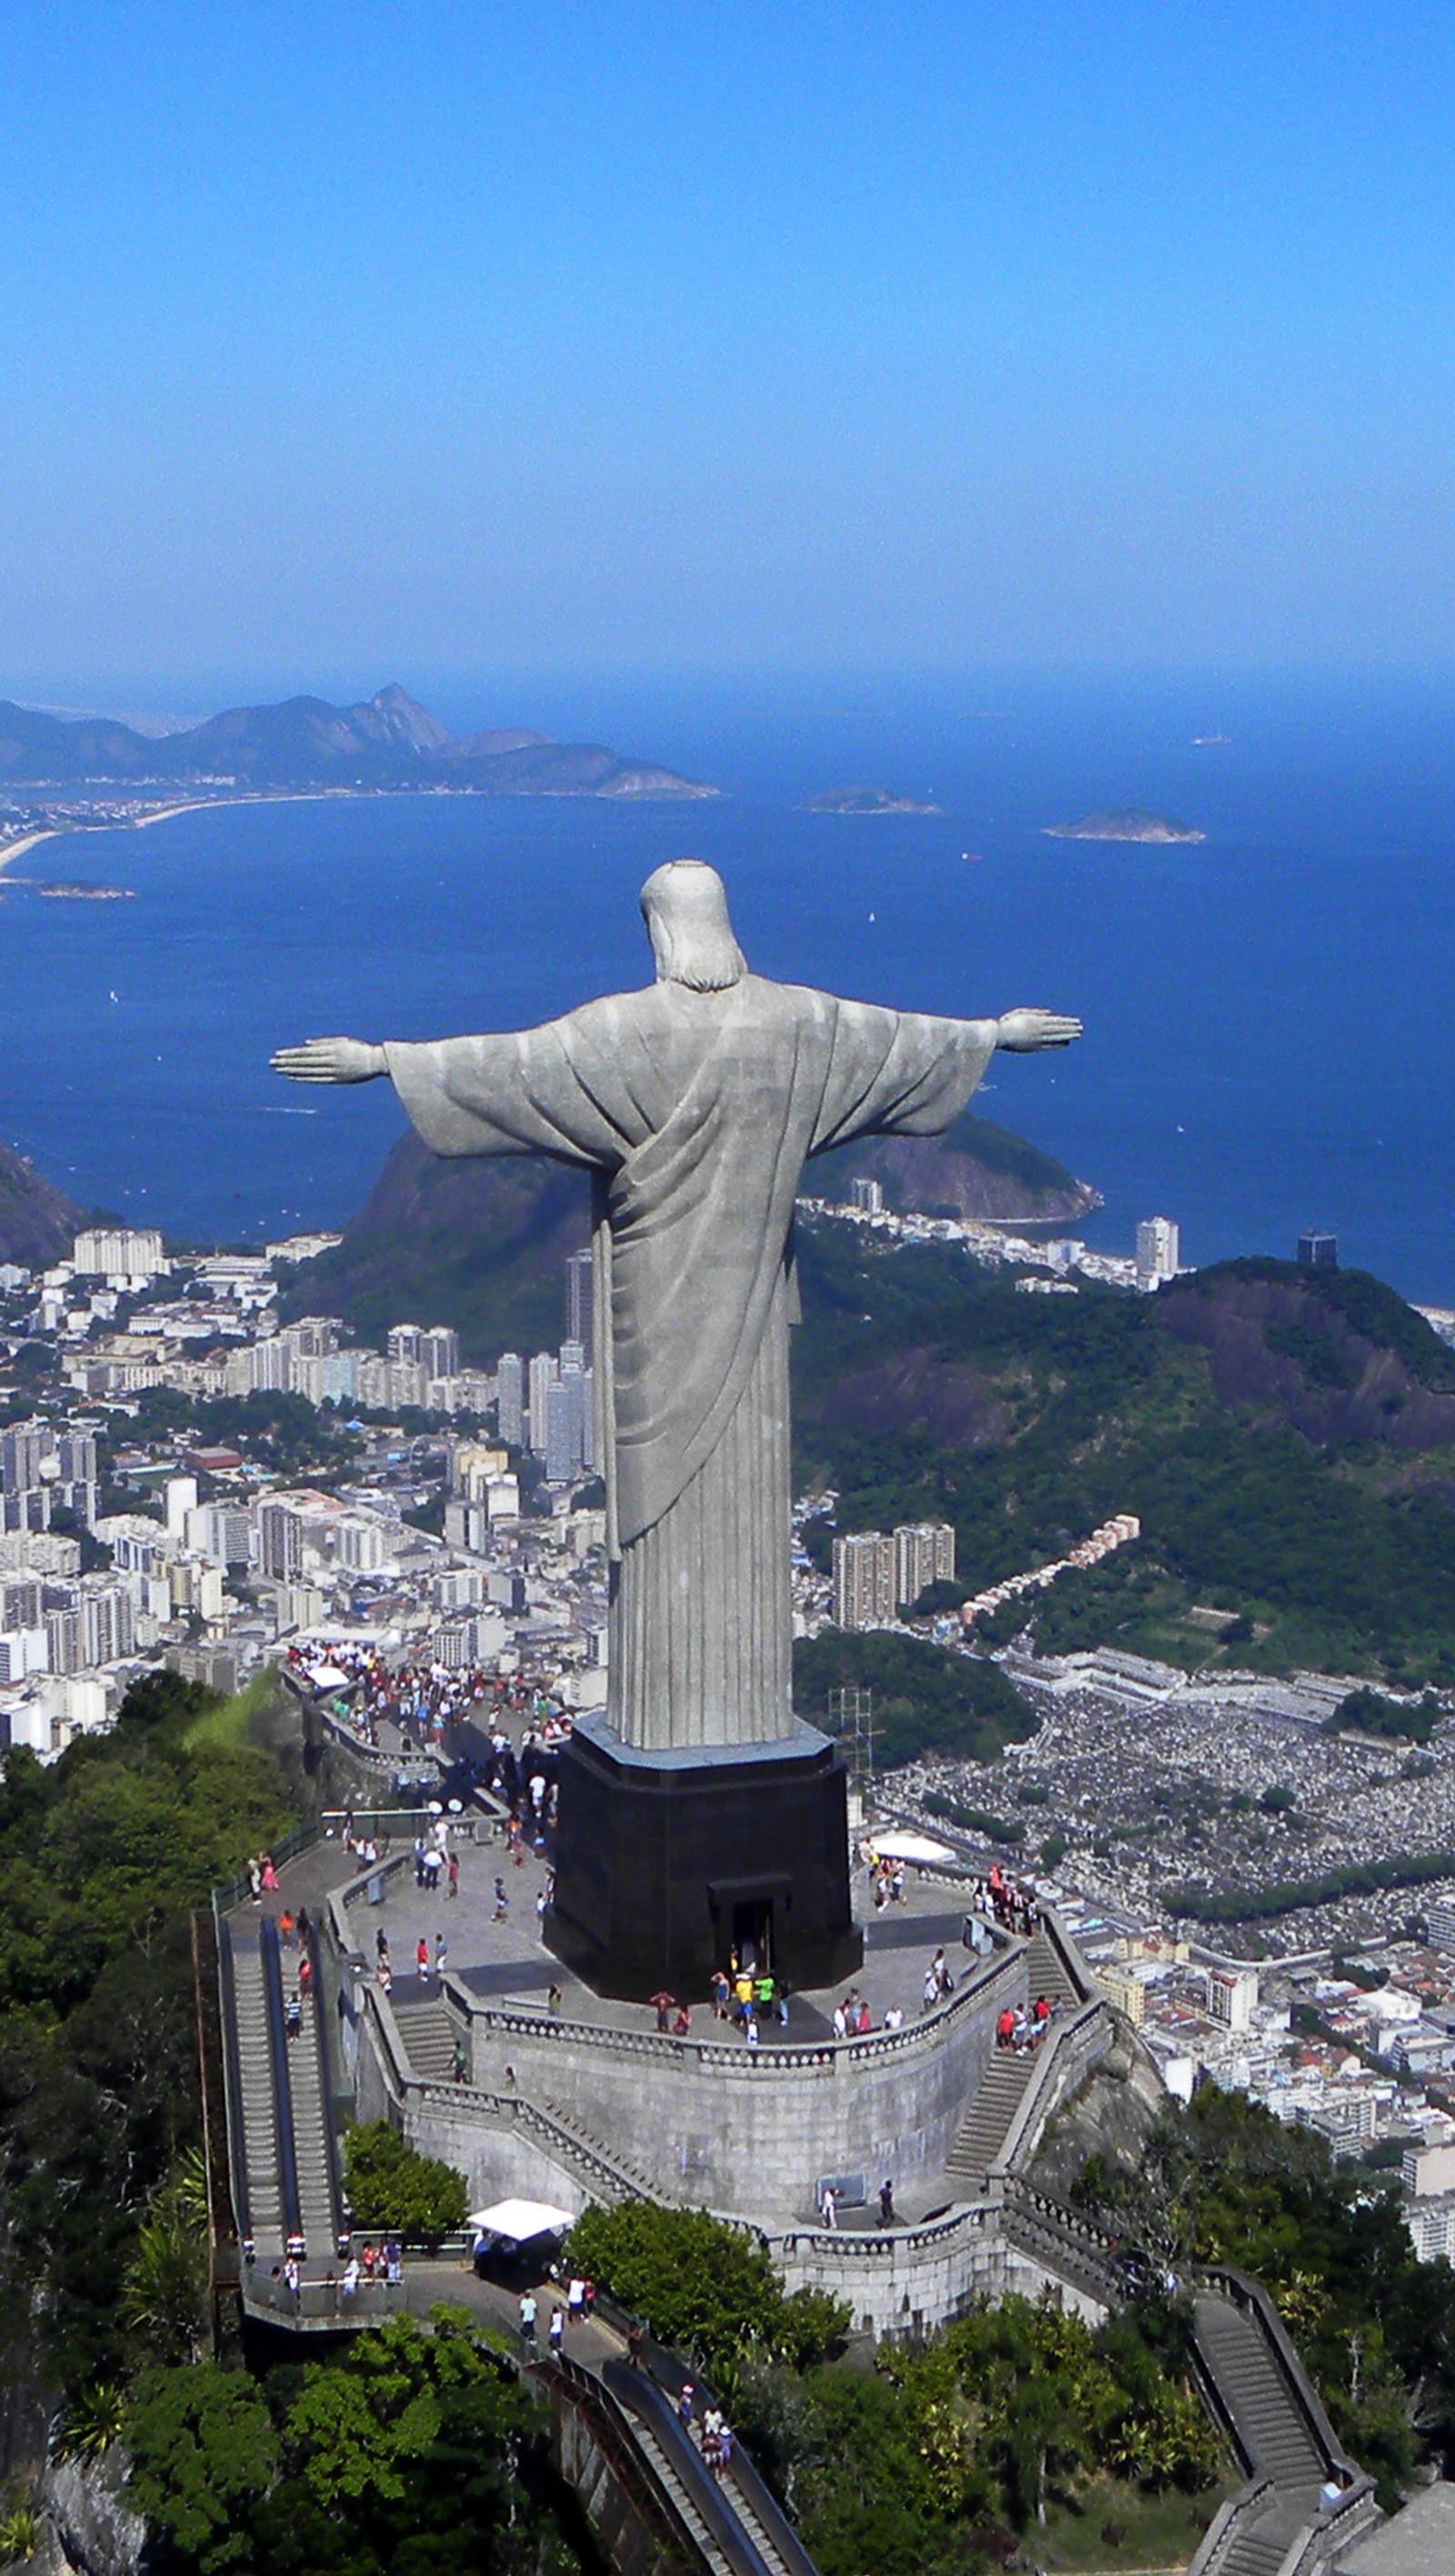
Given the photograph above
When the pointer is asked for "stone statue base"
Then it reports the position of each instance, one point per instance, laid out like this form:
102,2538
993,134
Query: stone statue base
673,1863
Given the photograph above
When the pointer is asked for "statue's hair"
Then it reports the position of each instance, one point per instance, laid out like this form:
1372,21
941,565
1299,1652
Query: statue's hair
684,905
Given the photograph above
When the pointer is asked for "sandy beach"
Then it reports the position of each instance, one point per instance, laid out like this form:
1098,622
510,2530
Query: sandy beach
166,814
27,841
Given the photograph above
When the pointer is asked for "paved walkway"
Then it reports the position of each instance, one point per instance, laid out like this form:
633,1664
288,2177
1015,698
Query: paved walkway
503,1959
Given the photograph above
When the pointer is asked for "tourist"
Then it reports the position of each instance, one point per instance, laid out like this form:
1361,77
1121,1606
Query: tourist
828,2207
931,1992
528,2319
862,2022
441,1953
381,1943
541,1914
393,2262
588,2297
894,2018
553,1997
662,2004
1004,2027
350,2281
683,2023
684,2406
454,1874
634,2345
385,1974
293,2280
750,2034
575,2299
721,1991
285,1929
305,1977
421,1960
841,2022
502,1902
458,2061
724,2450
293,2016
557,2329
269,1875
255,1881
886,2203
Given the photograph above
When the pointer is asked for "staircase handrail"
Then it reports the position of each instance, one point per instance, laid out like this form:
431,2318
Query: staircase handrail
591,2393
1228,2525
638,2393
1073,1966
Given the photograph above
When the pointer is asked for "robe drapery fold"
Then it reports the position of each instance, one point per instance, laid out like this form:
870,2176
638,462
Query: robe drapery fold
696,1111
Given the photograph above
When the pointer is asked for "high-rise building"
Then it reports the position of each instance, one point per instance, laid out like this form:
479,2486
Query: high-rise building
439,1351
564,1445
924,1553
510,1398
868,1196
1318,1251
864,1580
280,1542
181,1498
406,1342
1157,1249
578,1298
543,1374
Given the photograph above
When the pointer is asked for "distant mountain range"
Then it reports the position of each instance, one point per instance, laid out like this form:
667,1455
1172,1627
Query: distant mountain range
386,741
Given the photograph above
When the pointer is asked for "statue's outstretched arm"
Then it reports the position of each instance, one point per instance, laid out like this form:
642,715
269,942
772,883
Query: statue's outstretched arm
331,1060
1029,1032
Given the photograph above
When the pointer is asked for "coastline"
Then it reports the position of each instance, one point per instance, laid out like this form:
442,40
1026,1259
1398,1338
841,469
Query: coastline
273,796
28,841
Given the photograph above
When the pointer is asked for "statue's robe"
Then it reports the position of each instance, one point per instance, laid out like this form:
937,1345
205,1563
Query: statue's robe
696,1113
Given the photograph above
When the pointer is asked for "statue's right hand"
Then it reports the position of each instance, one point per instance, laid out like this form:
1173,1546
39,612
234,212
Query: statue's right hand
331,1060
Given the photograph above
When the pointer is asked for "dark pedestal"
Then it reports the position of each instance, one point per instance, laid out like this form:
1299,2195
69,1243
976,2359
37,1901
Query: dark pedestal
667,1863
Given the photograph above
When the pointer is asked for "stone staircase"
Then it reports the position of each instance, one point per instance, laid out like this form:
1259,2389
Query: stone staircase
1277,2522
317,2212
986,2124
427,2036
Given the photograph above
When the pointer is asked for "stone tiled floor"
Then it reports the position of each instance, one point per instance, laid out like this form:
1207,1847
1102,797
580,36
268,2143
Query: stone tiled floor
507,1962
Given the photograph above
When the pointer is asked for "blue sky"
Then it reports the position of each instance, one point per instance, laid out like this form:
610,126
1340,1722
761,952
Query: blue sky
351,341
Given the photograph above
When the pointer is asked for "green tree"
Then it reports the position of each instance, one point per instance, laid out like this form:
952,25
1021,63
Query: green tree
701,2284
204,2454
390,2185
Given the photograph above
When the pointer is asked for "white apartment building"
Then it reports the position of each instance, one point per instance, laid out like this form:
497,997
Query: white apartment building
864,1575
924,1553
124,1256
1157,1250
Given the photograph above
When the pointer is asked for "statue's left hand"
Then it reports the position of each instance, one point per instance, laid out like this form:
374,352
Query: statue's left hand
1028,1032
331,1060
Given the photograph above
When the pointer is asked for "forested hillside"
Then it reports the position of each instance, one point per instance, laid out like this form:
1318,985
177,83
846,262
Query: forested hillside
1286,1438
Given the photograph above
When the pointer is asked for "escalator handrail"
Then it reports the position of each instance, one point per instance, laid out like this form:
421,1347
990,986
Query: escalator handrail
270,1953
237,2149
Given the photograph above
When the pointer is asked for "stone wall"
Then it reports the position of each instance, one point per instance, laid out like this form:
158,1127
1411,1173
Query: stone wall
911,2279
708,2123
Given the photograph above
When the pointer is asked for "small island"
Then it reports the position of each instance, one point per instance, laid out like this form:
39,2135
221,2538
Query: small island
864,800
79,893
1129,826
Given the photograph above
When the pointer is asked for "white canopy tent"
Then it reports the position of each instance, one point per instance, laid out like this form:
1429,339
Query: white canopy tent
517,2221
908,1846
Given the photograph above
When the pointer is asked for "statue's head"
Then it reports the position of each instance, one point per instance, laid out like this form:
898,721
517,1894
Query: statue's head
685,908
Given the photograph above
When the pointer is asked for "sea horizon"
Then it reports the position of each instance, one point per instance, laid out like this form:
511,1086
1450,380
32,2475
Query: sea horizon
1266,1047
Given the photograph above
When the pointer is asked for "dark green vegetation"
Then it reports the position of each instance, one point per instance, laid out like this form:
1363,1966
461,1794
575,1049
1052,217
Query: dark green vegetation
102,1854
1319,1515
1226,2182
415,2454
700,2284
37,1225
1291,1895
391,2186
478,1243
1368,1712
1013,2422
926,1700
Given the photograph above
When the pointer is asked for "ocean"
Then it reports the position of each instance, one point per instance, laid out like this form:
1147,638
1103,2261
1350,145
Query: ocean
1269,1039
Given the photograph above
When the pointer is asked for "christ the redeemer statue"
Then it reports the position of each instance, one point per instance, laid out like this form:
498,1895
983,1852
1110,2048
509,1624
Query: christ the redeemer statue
695,1104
